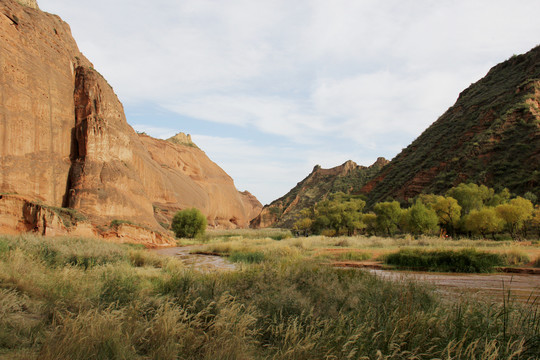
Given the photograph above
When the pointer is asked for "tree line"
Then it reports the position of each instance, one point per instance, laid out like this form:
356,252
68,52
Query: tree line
465,210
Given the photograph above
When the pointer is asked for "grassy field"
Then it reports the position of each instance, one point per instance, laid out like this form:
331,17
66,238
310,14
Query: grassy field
63,298
361,248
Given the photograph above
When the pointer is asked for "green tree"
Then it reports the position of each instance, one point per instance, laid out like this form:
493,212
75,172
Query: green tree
303,225
419,219
531,197
448,212
470,196
340,212
188,223
483,221
370,221
388,214
500,198
514,214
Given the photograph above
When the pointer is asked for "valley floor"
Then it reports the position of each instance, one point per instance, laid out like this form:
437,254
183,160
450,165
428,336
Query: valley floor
65,298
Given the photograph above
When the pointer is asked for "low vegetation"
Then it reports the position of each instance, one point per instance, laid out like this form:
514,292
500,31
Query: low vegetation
125,302
463,261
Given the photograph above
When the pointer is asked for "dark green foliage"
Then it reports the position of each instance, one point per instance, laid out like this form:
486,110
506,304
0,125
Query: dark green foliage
4,246
69,217
189,223
531,197
116,223
463,261
248,258
352,256
388,216
280,236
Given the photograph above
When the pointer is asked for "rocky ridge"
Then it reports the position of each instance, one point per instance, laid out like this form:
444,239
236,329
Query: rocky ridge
490,136
65,142
348,178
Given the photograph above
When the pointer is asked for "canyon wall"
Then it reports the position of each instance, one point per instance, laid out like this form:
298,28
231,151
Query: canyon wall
65,141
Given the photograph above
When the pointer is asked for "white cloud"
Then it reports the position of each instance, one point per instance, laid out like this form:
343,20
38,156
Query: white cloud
374,104
272,115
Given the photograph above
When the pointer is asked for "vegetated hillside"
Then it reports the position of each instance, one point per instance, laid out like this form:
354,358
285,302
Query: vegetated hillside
490,136
65,144
348,178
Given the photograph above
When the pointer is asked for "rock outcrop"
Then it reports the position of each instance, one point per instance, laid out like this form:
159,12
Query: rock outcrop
65,141
348,178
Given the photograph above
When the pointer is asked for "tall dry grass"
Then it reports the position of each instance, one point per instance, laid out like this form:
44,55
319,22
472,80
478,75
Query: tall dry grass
124,305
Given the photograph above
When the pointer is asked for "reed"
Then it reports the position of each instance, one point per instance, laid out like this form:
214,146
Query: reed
132,306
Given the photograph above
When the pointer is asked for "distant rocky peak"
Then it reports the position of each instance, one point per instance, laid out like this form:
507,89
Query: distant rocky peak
182,139
349,165
380,162
30,3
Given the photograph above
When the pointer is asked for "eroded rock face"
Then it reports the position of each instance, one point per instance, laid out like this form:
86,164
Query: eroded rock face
183,176
36,102
65,141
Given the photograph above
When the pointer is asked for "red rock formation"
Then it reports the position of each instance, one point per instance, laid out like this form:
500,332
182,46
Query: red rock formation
65,140
186,177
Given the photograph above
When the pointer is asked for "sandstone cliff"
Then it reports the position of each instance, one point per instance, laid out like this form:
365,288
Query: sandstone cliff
65,141
348,178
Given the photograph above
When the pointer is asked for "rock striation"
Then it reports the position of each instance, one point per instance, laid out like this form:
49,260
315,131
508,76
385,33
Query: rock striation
65,141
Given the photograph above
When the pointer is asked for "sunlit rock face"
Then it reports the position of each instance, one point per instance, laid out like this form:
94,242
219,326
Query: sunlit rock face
65,141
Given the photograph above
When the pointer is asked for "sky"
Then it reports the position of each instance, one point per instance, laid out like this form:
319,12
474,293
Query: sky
271,88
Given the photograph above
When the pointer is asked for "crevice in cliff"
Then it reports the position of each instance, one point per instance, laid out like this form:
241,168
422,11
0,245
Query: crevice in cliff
14,19
78,138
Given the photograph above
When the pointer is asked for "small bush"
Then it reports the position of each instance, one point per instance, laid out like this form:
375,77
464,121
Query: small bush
464,261
116,223
248,257
328,233
141,258
343,243
515,257
353,256
281,236
189,223
4,246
